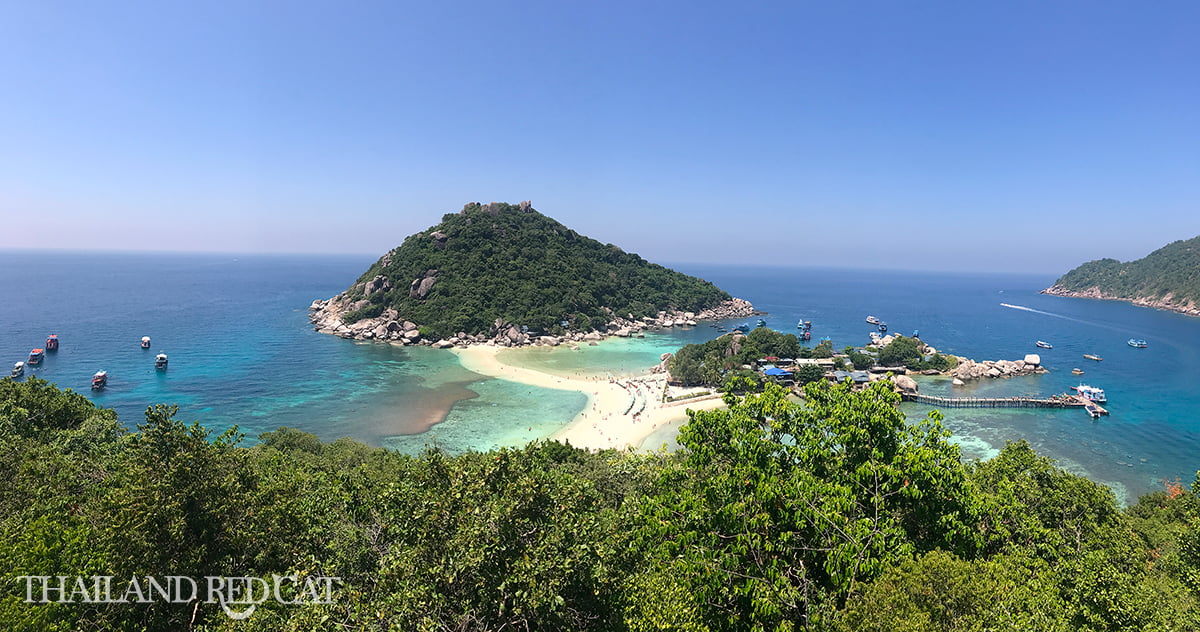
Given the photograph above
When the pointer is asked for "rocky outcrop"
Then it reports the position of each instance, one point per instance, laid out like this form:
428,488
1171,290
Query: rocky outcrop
733,308
1166,302
905,384
421,285
968,369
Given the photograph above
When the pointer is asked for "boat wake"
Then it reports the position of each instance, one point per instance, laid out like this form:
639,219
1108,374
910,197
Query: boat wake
1071,318
1038,311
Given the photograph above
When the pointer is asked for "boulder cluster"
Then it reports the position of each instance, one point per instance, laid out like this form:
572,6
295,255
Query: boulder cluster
326,317
968,369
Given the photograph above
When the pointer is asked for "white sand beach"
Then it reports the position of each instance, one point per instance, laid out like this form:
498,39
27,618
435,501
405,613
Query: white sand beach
618,413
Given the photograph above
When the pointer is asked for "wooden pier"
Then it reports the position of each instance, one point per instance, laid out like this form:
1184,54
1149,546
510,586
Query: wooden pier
1060,401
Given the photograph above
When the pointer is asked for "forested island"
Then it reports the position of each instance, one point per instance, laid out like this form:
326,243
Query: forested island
506,273
836,514
1168,278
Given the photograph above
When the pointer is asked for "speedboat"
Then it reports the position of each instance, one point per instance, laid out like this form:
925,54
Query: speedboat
872,320
99,380
883,328
1090,393
160,361
145,342
18,370
52,342
1140,344
36,355
1043,344
1076,371
1092,357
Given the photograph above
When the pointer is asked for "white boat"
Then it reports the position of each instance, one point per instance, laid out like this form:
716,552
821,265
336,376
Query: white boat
160,361
1136,343
872,320
1090,393
145,342
1044,345
99,380
18,370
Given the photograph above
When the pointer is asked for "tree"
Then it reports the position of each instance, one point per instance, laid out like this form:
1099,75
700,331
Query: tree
808,373
775,504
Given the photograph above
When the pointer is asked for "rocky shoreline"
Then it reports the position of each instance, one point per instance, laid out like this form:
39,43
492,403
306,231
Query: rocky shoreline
1165,303
326,317
968,369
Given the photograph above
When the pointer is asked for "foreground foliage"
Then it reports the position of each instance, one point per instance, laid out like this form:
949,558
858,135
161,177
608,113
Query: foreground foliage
833,515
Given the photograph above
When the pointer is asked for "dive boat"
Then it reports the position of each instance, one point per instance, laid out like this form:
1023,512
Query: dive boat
1140,344
99,380
806,335
1076,371
160,361
145,342
18,370
1044,345
36,355
804,324
52,342
1092,357
742,328
872,320
1090,393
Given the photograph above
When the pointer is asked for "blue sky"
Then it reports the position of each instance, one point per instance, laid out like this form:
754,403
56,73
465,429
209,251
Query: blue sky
1014,136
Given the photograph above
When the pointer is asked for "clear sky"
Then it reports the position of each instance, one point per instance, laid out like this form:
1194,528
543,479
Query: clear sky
1007,136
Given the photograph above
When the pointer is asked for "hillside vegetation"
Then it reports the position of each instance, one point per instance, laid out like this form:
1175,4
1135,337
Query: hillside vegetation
509,262
834,515
1171,272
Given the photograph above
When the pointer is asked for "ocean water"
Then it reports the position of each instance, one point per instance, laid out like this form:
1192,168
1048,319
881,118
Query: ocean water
242,353
241,350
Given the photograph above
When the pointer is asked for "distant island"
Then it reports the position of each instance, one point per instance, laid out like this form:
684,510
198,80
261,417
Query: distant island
1168,278
507,275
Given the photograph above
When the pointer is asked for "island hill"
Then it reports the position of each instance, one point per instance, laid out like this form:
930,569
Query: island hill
507,275
1168,278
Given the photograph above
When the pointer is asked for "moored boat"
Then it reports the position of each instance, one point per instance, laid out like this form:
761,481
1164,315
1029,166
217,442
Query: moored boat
145,342
18,370
99,380
36,355
806,335
160,361
52,342
742,328
872,320
1140,344
1092,357
883,328
1090,393
760,323
1076,371
1043,344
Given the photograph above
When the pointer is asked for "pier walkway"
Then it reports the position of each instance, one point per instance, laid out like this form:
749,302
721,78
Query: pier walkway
1057,401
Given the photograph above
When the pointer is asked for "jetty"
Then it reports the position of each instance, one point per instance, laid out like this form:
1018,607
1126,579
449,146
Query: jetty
1055,401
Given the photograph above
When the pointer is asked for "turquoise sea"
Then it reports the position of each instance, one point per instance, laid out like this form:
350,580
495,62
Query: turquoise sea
242,353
